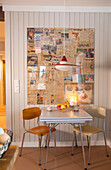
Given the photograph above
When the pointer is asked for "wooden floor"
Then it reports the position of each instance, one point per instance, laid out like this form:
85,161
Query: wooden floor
64,160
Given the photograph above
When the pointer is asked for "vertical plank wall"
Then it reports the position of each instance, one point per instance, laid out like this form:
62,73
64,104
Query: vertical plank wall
16,66
109,75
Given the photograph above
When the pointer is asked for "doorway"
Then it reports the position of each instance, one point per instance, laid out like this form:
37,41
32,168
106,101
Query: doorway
2,72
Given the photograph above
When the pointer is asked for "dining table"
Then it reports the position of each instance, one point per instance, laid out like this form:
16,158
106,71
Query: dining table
69,116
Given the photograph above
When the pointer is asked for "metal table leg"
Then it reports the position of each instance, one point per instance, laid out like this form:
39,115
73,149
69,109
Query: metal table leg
48,148
75,139
83,148
55,142
73,145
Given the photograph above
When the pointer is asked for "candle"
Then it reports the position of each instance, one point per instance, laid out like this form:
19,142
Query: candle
75,102
71,102
49,108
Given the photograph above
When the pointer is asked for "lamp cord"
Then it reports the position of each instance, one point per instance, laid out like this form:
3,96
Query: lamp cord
64,27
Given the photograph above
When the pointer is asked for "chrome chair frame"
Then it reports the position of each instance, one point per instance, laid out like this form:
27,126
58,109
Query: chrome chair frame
89,141
40,141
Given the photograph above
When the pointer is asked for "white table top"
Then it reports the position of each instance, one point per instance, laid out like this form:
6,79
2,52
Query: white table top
69,116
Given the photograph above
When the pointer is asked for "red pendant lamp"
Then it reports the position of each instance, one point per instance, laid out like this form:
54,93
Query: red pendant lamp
63,65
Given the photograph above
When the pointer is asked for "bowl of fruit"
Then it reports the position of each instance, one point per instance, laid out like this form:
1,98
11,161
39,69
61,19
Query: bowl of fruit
64,106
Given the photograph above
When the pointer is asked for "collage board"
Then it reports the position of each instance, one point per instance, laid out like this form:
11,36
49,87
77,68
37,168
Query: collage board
45,48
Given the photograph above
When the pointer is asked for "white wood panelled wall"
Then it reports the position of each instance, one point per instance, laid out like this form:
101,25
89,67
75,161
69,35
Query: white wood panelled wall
16,65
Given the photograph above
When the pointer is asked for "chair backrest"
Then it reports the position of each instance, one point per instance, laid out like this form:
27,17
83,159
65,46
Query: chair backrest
31,113
94,111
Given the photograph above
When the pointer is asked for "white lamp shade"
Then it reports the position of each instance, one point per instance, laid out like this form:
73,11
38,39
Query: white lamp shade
62,67
65,67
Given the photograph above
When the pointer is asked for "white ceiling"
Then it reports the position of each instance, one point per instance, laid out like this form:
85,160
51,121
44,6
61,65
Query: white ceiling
57,2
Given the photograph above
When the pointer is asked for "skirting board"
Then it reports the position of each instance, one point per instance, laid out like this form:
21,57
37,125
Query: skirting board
62,144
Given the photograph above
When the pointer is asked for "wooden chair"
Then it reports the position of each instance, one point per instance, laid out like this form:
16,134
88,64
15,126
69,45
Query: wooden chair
31,113
87,130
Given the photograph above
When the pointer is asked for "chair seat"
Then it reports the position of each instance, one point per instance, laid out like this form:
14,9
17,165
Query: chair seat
41,130
87,130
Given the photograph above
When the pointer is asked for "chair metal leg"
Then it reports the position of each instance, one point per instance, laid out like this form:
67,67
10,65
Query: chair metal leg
88,141
55,142
46,141
73,143
48,148
89,144
22,144
40,140
83,148
105,144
